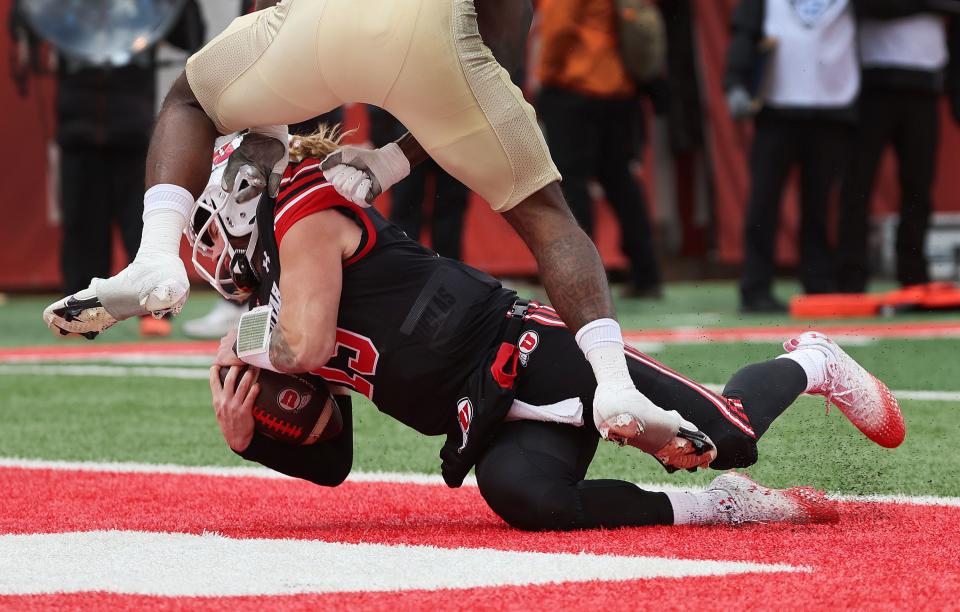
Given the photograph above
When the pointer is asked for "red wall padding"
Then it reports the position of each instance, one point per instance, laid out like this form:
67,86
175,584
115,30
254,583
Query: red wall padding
29,238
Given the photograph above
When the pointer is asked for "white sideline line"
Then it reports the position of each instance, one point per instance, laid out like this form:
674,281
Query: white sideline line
103,370
385,477
146,359
196,373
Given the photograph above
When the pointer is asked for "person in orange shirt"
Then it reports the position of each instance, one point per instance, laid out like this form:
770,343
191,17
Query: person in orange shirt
592,122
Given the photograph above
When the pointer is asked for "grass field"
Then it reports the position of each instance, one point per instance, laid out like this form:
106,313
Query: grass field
130,418
129,411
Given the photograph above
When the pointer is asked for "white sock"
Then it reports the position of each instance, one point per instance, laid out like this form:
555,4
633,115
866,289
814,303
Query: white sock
814,364
602,343
702,508
165,211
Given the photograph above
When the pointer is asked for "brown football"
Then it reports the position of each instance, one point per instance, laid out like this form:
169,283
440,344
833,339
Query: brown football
293,409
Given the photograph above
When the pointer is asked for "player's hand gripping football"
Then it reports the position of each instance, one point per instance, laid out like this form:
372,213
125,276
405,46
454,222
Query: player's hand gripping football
360,175
233,404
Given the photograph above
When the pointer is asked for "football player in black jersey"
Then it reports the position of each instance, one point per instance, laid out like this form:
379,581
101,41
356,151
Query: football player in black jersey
445,349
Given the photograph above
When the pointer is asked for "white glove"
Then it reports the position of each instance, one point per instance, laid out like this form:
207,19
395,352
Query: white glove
157,286
360,175
624,415
263,150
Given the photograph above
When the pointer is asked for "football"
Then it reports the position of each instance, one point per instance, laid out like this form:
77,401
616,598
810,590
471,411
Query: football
293,409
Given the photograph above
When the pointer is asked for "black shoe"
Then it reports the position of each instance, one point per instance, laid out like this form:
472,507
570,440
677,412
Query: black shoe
762,304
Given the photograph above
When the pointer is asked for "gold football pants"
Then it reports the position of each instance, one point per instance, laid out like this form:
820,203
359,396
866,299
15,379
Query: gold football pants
423,61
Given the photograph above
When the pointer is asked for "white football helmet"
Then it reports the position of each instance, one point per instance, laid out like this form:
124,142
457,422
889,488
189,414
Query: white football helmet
224,231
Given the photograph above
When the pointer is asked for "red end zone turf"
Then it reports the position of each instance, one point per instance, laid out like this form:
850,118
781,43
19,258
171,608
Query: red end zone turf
879,556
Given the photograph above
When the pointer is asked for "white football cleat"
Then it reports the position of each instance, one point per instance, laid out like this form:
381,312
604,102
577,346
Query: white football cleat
860,396
158,287
741,500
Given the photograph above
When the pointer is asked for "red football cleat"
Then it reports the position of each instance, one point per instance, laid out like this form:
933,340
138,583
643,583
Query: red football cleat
863,399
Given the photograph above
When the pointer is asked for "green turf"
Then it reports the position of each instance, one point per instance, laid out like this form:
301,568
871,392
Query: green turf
706,304
170,421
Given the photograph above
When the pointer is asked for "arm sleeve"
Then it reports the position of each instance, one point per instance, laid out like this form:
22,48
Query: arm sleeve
746,28
324,463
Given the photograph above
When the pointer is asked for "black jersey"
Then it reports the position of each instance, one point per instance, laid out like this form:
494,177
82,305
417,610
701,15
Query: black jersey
411,326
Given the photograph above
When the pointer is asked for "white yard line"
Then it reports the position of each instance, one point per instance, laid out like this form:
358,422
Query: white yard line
189,373
387,477
148,359
197,373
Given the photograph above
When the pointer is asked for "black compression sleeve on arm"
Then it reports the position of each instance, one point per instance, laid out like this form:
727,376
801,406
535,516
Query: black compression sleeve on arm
324,463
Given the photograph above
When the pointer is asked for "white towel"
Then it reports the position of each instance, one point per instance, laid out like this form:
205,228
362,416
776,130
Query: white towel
569,411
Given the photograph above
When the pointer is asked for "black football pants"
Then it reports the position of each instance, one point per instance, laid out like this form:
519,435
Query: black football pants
596,138
819,148
910,122
407,206
100,187
533,473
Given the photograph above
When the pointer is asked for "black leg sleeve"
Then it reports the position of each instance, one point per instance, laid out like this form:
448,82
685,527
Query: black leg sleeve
766,389
532,477
325,463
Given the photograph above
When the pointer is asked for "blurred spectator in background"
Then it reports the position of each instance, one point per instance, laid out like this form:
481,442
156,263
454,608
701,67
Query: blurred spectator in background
408,197
592,120
104,118
903,53
684,205
800,58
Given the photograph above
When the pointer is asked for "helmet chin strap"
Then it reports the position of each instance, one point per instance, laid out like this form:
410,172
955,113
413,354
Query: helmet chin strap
242,272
